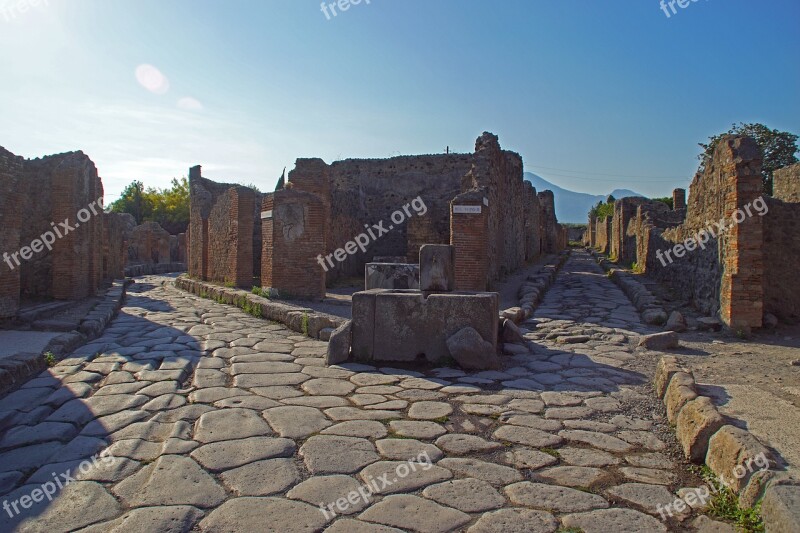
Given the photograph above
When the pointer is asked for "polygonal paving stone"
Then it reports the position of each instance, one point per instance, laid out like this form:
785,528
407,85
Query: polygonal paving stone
366,380
353,413
366,429
367,399
271,367
390,477
248,381
164,519
651,460
262,478
430,410
605,520
533,421
42,432
515,521
566,413
79,504
416,429
255,402
648,498
529,406
527,458
644,439
527,436
467,495
329,454
553,498
590,425
379,389
328,490
220,456
415,514
348,525
171,480
137,449
489,472
648,475
296,422
229,424
587,457
596,440
249,514
320,402
461,444
560,399
28,457
214,394
278,392
573,476
390,405
408,450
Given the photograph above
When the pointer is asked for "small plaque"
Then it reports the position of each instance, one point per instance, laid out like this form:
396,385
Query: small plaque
467,209
485,201
266,214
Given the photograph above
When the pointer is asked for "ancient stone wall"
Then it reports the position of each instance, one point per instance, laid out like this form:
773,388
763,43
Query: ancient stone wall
368,191
221,231
623,238
602,234
10,221
731,181
781,259
548,225
149,243
786,184
118,230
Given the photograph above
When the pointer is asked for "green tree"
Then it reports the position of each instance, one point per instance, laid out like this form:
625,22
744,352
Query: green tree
169,207
779,148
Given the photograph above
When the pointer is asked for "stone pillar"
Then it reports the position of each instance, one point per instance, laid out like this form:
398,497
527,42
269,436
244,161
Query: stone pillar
741,290
293,230
469,234
679,199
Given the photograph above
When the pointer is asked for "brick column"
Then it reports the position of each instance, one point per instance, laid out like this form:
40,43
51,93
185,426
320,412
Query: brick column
679,199
293,231
741,290
469,234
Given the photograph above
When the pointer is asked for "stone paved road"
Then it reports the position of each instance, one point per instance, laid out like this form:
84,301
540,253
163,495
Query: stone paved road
217,421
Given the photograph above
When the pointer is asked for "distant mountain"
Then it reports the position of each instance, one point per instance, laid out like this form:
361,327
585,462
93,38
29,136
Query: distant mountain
573,207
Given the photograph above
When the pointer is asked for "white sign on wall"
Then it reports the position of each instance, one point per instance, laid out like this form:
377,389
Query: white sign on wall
467,209
266,214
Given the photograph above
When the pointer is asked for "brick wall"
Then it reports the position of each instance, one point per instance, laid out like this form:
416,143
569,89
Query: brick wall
293,229
10,220
602,236
786,184
469,235
222,242
726,277
118,228
623,237
781,259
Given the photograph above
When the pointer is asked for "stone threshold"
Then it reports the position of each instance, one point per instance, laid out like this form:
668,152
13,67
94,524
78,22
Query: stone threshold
710,438
15,370
303,320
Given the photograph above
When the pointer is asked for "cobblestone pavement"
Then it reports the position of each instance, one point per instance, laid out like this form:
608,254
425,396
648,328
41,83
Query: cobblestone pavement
218,421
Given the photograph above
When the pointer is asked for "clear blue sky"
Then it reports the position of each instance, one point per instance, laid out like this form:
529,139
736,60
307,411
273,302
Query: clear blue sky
586,87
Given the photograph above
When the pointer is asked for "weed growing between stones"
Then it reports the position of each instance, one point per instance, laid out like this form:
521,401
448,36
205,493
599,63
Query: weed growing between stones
724,504
50,359
304,324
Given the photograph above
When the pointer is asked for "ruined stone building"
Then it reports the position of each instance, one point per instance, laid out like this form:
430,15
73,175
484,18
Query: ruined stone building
56,240
739,273
478,202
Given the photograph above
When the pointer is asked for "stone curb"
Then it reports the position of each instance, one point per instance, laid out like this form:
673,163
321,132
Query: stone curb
132,271
533,290
19,368
300,319
648,305
707,437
